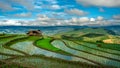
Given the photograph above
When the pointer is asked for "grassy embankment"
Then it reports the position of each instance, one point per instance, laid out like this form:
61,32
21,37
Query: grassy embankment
15,40
45,43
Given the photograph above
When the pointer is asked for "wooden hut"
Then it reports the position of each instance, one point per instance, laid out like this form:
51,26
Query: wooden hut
34,33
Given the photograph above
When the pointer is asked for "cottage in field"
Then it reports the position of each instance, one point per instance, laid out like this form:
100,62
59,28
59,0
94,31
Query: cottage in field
34,33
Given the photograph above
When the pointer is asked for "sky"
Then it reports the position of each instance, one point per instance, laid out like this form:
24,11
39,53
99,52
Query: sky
59,12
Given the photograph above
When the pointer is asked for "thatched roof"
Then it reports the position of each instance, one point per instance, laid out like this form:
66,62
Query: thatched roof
34,33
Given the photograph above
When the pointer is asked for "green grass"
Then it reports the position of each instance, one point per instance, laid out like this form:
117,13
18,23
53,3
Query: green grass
106,45
50,62
33,38
21,39
110,46
5,39
88,50
1,34
94,46
46,44
11,65
93,41
80,32
92,35
95,59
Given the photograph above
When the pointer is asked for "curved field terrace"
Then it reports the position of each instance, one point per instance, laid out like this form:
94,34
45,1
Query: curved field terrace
62,50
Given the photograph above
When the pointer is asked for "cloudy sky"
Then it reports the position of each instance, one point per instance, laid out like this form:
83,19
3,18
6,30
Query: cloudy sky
59,12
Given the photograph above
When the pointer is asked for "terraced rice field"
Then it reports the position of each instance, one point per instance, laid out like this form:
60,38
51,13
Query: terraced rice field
35,52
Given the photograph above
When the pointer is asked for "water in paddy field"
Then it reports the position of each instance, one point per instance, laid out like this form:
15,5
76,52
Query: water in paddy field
84,52
50,30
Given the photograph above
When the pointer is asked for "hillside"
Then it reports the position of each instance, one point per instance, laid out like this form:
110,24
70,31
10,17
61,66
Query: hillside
89,34
65,49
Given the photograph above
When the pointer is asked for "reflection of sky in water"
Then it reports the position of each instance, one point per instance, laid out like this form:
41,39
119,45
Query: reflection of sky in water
83,48
101,60
3,57
61,45
94,46
7,51
29,48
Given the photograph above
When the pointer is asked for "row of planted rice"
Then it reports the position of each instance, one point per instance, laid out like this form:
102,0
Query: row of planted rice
29,48
38,62
94,46
89,54
2,57
91,51
101,60
4,40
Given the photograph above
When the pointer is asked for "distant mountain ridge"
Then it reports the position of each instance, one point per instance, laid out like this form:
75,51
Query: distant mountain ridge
17,29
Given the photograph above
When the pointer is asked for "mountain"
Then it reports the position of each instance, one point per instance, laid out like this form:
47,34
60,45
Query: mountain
58,29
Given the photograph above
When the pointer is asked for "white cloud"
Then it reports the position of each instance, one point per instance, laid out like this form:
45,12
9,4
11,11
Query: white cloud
116,16
44,20
49,6
84,19
9,22
108,3
80,20
92,19
100,18
76,12
55,7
